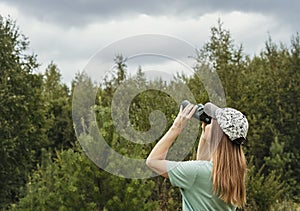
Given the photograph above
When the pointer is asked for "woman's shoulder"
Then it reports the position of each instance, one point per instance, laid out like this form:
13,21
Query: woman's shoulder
193,164
199,162
203,169
200,169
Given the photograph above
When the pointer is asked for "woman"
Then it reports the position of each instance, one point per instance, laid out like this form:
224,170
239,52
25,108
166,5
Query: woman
216,180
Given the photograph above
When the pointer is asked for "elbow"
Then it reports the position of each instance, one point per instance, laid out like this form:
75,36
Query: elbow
149,162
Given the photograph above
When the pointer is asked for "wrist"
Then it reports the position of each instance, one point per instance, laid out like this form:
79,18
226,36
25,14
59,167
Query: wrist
175,128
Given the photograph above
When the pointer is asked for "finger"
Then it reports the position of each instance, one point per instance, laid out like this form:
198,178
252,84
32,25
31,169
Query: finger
188,108
186,112
180,109
192,111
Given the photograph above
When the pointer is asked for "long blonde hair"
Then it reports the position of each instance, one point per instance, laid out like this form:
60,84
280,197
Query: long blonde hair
229,169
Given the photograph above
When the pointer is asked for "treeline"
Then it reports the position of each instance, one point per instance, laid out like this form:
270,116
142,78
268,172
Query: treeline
43,167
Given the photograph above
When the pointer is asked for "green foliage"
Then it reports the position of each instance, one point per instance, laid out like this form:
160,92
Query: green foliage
263,190
67,183
59,109
22,115
280,162
274,113
228,61
131,194
285,206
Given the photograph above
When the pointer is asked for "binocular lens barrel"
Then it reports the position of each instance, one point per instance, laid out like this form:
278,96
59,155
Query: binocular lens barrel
199,113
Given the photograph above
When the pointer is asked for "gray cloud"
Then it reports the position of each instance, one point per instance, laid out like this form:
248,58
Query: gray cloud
78,12
69,32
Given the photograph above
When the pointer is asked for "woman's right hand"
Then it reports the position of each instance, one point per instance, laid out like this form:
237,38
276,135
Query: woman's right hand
184,116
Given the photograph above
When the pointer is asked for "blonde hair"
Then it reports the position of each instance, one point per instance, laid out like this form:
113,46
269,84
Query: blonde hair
229,169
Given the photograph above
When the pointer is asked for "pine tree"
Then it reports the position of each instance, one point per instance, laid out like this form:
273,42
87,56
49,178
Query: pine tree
22,113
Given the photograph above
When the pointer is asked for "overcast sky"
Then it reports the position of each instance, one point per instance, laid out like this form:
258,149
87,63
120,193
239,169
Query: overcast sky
71,32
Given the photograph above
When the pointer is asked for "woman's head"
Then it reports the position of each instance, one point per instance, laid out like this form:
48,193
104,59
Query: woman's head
232,122
223,140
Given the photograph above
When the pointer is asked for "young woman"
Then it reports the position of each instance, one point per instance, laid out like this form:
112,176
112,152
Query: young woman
216,180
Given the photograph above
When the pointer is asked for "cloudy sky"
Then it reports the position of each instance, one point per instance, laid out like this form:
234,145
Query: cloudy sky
70,33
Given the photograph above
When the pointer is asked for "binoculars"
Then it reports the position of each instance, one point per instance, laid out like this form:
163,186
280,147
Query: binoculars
199,113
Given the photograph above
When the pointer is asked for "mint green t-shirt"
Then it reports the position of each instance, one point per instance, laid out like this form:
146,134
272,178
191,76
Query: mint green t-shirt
195,183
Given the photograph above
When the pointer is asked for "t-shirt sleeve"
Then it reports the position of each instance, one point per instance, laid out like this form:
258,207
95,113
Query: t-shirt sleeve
182,174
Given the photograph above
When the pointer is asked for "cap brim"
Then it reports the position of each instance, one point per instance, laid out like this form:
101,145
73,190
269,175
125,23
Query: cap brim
210,109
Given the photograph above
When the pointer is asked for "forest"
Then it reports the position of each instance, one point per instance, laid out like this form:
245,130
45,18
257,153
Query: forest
44,167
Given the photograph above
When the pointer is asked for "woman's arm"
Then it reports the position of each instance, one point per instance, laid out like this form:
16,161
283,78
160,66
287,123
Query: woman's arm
157,158
203,151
